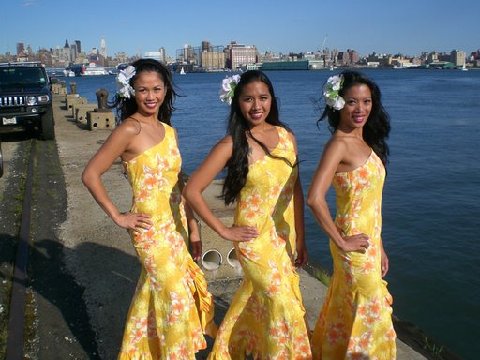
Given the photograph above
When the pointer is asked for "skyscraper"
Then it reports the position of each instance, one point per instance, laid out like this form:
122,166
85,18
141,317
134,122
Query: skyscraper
103,48
20,48
78,43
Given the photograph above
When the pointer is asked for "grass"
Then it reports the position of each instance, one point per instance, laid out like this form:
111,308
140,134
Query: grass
318,273
31,322
11,209
434,349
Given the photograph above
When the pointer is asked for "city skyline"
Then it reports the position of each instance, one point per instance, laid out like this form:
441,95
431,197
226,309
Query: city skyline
372,26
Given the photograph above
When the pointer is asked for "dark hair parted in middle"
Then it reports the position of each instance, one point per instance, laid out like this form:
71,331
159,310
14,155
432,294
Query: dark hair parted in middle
128,106
377,127
238,128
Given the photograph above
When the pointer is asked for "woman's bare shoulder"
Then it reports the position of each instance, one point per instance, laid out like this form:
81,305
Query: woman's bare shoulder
226,141
336,143
129,126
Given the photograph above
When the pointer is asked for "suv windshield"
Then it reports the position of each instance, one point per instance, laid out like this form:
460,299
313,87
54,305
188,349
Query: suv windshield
22,76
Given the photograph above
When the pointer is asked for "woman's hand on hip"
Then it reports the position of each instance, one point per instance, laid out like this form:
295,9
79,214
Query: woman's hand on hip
239,233
133,221
357,242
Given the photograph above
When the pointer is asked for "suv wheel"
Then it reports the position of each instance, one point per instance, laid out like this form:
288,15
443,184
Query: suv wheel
47,131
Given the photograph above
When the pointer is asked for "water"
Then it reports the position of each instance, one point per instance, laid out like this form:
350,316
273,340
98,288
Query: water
431,196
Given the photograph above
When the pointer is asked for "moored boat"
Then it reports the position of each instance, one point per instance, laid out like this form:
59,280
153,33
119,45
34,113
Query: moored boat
69,73
93,70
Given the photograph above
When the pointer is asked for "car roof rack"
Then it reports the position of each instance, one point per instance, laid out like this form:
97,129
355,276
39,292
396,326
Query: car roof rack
22,63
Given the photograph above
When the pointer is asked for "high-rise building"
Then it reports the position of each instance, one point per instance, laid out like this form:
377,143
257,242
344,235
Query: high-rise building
73,52
20,48
121,57
239,56
206,46
458,57
78,44
103,48
188,55
213,60
163,55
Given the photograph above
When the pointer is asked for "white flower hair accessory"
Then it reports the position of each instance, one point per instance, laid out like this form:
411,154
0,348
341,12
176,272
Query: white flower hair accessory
330,92
228,86
125,90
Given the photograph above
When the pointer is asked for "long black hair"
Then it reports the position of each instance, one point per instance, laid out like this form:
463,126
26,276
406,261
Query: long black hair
377,127
128,106
238,129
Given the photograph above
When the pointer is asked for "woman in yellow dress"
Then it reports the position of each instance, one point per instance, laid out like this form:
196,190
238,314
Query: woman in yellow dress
355,321
171,309
266,316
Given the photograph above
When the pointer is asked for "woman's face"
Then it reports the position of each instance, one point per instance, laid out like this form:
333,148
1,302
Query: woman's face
150,91
358,104
255,102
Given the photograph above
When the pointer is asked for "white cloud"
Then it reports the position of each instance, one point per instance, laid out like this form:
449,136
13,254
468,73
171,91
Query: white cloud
27,3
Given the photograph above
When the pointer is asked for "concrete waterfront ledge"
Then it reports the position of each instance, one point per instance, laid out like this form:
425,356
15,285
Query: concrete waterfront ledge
103,261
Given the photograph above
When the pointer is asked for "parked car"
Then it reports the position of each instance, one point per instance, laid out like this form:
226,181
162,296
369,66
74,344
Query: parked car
26,99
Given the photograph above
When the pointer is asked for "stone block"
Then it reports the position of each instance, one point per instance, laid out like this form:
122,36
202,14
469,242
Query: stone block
81,111
59,89
70,99
75,103
100,120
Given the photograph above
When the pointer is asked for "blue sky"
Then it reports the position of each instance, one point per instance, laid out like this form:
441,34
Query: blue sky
384,26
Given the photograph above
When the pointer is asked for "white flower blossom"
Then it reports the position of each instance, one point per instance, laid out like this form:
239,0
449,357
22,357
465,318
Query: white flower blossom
123,82
330,92
228,86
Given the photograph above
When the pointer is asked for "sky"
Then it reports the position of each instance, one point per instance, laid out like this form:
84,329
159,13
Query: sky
136,26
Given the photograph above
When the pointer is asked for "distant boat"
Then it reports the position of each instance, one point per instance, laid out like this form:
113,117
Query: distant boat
182,71
68,73
93,70
464,67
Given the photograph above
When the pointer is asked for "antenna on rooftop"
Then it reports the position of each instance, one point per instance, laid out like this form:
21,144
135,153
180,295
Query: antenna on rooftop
323,43
322,51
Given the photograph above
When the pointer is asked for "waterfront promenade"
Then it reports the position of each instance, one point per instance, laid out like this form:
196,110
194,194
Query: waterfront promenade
100,257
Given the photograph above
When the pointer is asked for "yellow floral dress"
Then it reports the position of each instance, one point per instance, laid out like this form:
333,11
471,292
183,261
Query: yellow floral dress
356,318
171,308
266,316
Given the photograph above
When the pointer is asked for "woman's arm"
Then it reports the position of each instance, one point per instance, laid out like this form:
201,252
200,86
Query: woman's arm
114,147
332,156
299,216
299,213
384,260
200,179
192,223
193,233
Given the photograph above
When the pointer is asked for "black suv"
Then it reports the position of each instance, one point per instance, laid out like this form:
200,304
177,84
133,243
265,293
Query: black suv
26,98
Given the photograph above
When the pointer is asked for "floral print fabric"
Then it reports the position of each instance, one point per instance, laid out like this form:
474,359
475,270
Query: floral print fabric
171,308
266,316
355,321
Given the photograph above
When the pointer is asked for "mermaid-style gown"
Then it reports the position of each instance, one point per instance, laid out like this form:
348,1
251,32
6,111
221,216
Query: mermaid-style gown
171,308
266,316
356,318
